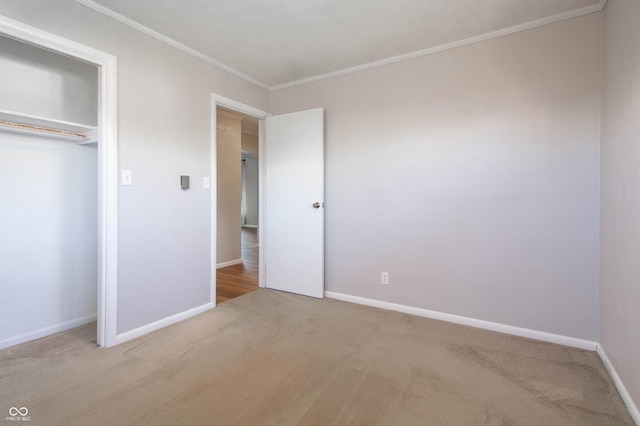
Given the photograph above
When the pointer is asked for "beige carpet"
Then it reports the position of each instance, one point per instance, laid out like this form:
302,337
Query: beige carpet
278,359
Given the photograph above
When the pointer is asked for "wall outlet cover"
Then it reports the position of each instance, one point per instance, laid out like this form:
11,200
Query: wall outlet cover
127,178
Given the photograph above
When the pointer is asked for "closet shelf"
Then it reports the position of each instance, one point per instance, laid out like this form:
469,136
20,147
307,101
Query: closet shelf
19,122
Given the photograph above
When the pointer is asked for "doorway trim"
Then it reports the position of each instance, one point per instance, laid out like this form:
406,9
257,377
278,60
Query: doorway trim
107,162
221,101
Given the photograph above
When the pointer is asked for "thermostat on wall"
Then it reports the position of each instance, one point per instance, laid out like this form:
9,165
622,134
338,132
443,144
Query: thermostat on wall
184,182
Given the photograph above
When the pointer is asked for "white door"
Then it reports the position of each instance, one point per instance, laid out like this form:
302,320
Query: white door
294,203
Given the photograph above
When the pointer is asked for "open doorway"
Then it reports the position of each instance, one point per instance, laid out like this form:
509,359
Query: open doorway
293,139
237,177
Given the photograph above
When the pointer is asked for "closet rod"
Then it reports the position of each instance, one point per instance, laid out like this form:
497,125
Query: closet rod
40,129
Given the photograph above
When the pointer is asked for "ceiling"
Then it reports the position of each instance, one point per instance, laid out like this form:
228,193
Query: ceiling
278,43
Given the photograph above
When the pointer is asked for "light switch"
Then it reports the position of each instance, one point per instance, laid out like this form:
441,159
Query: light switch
206,182
127,177
184,182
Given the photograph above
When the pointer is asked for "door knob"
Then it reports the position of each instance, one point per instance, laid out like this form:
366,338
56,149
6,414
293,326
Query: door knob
316,205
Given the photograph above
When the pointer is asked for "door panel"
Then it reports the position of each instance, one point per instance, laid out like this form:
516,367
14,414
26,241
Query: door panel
294,182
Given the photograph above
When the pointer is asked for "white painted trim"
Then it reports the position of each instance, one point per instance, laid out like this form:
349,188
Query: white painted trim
171,42
262,194
229,263
441,48
214,199
239,107
108,149
108,162
622,390
46,331
165,322
217,100
472,322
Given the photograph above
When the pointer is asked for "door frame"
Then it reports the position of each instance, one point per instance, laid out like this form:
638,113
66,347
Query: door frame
221,101
107,162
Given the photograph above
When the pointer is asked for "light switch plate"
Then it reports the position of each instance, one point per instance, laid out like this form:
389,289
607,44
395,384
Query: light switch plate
127,178
206,182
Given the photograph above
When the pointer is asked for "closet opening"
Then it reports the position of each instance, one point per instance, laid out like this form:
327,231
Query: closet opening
58,168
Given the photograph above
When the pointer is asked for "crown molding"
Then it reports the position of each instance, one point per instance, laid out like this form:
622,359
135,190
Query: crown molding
598,7
171,42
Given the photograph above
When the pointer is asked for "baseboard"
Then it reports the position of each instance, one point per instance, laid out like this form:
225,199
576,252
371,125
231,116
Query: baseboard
250,226
140,331
631,406
457,319
229,263
46,331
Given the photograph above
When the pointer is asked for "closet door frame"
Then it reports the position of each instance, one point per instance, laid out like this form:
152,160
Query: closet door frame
107,133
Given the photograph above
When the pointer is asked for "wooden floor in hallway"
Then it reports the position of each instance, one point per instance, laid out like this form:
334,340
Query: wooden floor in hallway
236,280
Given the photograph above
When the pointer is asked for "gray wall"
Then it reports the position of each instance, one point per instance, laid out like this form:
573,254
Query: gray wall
620,199
54,86
229,246
251,188
250,143
164,131
471,176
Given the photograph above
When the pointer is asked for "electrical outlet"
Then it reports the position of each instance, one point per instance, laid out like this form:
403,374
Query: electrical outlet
384,278
127,178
